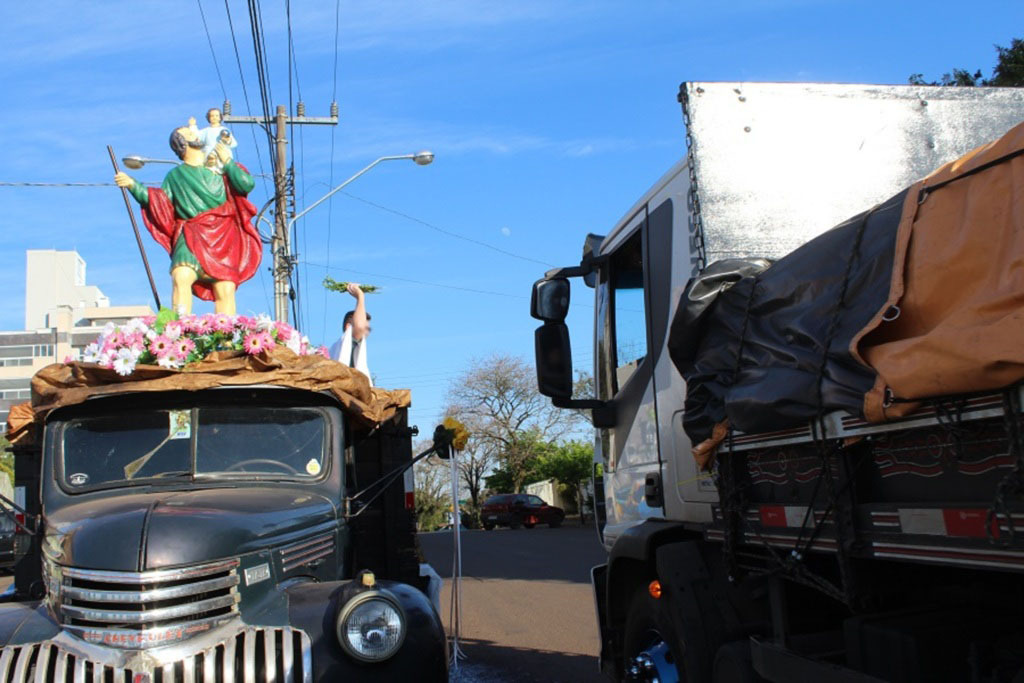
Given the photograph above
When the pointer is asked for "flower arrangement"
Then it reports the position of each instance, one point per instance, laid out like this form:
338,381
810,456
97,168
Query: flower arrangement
171,341
332,285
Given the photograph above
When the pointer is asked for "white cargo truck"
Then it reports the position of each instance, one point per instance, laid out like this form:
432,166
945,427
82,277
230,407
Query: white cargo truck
762,521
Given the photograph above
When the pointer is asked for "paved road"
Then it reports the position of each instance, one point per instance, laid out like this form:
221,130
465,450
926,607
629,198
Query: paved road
528,614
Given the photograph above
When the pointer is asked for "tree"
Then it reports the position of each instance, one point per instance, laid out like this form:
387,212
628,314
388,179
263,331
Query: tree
498,401
432,497
1008,71
569,464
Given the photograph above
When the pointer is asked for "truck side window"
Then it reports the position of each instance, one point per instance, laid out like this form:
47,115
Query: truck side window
630,319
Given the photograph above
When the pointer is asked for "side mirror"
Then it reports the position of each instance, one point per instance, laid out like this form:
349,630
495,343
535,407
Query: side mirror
550,300
554,360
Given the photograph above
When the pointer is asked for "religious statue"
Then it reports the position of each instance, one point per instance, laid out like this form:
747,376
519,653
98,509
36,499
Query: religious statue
202,218
211,135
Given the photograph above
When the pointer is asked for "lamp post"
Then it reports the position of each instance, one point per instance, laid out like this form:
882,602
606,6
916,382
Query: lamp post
136,162
281,247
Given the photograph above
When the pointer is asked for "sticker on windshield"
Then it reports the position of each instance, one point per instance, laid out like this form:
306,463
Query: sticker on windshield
181,424
78,479
313,467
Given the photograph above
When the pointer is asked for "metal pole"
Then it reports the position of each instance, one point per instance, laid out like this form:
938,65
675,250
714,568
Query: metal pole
279,247
135,227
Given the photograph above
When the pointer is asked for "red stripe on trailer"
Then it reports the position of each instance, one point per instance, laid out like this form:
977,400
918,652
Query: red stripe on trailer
773,515
410,500
968,522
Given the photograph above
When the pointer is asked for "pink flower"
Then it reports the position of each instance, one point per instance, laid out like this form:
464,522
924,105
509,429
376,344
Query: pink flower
284,331
161,346
173,330
203,324
323,352
148,320
184,346
246,323
257,342
222,322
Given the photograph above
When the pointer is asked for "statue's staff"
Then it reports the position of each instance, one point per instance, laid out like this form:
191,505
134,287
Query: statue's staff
135,227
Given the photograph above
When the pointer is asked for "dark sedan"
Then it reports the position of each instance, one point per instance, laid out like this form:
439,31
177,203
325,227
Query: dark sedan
519,509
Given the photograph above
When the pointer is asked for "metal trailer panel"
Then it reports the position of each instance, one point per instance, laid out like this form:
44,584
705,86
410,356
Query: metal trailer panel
776,164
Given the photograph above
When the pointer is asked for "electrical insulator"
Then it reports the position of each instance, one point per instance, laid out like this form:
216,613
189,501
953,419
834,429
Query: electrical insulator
300,109
227,107
334,110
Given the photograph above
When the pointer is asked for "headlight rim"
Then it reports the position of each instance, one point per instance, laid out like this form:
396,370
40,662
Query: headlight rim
350,606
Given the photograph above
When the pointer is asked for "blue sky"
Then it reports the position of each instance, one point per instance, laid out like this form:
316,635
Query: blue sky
548,119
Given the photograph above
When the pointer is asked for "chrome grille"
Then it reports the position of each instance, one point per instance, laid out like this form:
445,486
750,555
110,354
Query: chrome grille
146,609
307,552
254,655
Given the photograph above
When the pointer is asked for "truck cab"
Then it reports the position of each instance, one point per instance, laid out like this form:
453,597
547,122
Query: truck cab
217,535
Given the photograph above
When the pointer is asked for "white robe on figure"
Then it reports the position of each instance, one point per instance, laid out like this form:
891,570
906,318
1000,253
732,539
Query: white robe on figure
351,352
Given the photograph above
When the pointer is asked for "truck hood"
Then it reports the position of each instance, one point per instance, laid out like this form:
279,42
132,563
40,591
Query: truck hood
166,529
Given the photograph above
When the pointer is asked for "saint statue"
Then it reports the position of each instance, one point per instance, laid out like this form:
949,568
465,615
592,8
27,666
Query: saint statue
211,135
204,221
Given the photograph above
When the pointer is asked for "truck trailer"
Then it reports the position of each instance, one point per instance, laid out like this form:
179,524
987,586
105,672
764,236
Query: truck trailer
808,435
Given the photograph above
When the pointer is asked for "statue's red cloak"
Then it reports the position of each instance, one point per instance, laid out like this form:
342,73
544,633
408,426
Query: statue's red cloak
223,239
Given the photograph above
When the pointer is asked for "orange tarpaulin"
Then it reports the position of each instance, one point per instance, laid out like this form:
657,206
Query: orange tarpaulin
63,384
958,283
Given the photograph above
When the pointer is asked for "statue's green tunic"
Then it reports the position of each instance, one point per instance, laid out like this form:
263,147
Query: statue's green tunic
204,220
193,190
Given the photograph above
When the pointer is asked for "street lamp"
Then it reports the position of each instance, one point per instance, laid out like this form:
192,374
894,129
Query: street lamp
281,250
421,158
136,162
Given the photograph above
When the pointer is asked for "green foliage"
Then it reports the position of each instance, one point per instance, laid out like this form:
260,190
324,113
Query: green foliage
1008,71
431,511
332,285
566,463
6,458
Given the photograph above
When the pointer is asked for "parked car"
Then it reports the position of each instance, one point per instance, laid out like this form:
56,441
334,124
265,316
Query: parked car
519,509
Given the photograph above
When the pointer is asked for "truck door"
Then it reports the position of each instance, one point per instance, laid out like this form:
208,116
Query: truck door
625,376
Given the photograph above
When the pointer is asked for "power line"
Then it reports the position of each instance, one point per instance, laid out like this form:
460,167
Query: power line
212,53
334,98
450,233
415,282
245,92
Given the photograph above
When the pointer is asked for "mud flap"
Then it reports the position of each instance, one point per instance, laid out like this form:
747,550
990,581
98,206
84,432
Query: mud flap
701,615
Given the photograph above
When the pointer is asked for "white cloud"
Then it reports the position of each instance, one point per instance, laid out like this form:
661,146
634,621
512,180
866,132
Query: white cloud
506,231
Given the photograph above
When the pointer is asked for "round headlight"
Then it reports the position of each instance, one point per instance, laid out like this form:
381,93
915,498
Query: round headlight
371,627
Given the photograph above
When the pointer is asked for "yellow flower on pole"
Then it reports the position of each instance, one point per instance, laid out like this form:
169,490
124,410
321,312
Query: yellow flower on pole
461,434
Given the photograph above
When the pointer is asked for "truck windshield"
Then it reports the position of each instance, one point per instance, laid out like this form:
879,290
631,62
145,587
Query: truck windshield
221,442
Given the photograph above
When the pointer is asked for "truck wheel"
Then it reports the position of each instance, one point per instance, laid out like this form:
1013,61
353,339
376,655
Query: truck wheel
734,665
651,647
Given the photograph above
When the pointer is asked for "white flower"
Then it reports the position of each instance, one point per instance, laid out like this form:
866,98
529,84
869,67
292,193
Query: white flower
236,337
151,335
108,330
168,361
172,330
124,366
136,325
264,322
295,344
91,353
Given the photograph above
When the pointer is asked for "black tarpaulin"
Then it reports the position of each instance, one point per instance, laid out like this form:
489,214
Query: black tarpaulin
772,350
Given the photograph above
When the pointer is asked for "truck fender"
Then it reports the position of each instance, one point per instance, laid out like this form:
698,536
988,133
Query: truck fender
701,613
313,607
631,565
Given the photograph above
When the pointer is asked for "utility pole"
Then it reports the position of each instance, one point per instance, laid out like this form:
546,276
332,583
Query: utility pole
280,244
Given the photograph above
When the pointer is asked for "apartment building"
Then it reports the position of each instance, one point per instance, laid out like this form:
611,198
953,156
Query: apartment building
62,315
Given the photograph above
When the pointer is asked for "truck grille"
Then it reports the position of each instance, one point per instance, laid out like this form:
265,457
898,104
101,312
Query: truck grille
254,655
144,609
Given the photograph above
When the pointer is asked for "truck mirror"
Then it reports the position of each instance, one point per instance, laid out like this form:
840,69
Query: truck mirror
550,300
554,360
